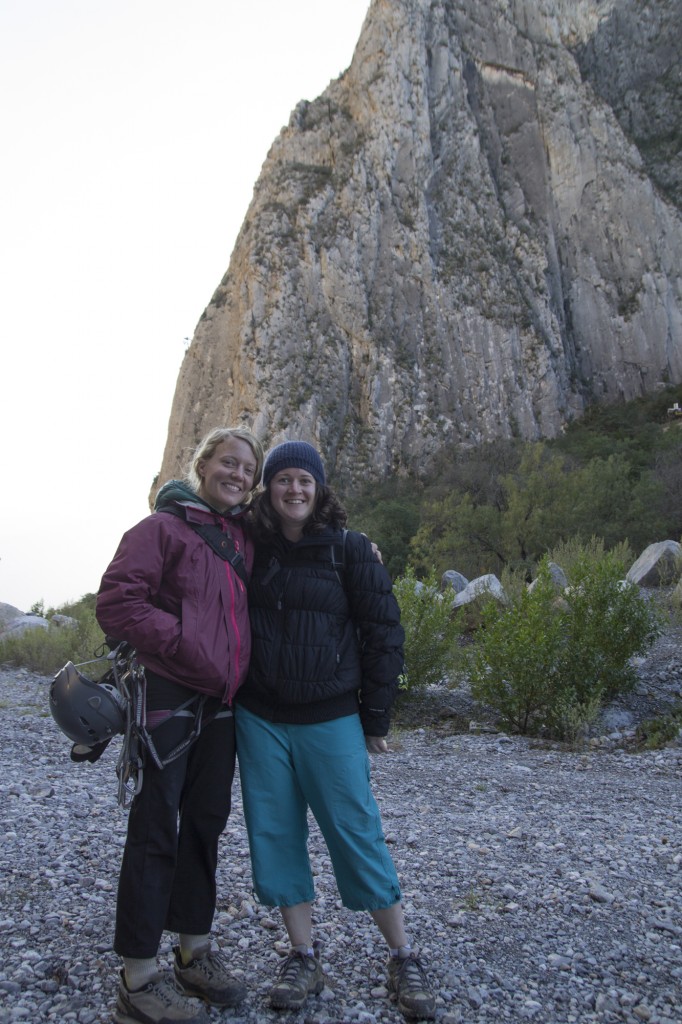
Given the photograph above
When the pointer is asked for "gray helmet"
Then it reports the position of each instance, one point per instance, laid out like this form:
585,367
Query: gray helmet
86,712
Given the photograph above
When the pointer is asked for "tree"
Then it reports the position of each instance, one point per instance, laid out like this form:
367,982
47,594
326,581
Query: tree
389,515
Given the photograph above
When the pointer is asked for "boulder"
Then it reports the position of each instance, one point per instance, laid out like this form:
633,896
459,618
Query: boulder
558,578
422,589
64,621
8,613
452,580
22,624
658,565
483,586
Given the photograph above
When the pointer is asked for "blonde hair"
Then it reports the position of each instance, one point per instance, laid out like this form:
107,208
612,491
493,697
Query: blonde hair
206,449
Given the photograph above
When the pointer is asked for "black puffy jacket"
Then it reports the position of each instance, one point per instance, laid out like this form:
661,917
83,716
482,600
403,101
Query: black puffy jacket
326,635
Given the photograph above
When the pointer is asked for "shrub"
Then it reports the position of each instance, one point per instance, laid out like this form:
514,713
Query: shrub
575,717
516,655
431,630
609,622
46,650
655,733
568,553
546,662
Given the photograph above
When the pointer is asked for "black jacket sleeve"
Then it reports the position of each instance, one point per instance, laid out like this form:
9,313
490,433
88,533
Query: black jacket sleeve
376,616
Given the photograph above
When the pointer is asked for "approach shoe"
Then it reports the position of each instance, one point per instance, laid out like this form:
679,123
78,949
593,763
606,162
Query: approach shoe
299,976
207,977
157,1002
407,979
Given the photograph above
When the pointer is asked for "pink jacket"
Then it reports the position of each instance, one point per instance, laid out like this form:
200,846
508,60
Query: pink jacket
178,603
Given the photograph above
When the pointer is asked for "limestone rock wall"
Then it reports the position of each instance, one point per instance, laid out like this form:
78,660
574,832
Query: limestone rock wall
460,240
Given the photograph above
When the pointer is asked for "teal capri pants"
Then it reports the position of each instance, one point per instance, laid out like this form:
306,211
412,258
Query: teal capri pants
286,769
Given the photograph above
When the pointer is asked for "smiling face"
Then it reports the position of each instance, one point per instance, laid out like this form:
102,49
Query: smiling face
292,495
227,477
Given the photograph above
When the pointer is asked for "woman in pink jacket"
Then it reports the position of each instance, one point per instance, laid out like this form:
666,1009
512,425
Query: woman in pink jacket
183,607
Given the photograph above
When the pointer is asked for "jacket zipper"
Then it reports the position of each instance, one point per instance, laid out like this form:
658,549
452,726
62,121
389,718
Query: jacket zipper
232,577
274,658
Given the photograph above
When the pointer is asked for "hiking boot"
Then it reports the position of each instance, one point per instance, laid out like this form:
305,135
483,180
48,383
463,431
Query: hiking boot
157,1002
407,978
298,977
207,977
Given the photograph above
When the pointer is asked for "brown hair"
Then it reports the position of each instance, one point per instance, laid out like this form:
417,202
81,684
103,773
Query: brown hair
327,511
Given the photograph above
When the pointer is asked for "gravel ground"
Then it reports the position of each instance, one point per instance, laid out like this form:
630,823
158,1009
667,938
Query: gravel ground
542,884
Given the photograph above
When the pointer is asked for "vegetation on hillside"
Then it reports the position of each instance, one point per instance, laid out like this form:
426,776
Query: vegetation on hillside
616,474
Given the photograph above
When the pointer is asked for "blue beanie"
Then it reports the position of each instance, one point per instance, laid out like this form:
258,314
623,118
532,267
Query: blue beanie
293,455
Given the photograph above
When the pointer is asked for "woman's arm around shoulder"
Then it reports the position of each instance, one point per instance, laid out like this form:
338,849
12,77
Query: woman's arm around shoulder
369,585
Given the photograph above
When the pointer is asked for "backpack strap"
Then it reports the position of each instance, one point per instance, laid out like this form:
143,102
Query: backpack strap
335,560
340,563
218,541
223,546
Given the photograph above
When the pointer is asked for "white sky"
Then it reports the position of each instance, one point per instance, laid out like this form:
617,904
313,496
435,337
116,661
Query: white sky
133,132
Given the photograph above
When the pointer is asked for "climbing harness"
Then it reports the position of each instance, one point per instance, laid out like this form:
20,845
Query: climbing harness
76,703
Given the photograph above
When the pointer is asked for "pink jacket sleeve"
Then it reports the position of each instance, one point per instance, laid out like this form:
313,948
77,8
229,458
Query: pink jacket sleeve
130,605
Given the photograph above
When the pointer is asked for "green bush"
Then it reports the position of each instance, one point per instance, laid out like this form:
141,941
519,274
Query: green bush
45,650
609,622
516,654
431,630
655,733
571,552
546,662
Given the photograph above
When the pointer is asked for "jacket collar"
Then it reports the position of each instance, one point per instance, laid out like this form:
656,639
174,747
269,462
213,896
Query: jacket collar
177,492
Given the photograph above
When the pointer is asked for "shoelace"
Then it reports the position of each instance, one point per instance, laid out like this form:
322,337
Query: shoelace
412,972
167,993
211,963
291,967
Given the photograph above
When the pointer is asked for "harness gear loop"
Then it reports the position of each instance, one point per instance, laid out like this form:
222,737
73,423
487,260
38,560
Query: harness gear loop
130,681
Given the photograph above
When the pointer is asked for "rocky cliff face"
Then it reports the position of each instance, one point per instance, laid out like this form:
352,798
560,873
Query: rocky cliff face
633,60
472,234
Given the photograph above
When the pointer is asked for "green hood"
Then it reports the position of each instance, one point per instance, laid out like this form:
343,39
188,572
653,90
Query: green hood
178,491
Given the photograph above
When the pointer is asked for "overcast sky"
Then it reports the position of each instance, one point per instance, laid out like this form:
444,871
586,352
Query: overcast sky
133,132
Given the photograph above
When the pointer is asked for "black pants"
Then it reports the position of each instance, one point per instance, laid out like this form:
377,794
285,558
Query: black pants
167,878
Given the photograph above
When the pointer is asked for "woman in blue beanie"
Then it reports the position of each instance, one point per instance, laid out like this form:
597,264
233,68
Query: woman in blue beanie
326,658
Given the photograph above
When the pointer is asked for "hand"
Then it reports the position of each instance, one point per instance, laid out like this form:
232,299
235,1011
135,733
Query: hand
375,550
376,745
